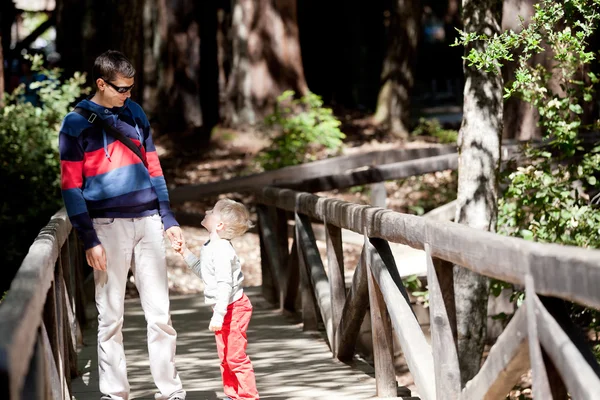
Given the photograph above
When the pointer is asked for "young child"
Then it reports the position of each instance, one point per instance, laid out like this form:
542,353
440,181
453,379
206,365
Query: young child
219,268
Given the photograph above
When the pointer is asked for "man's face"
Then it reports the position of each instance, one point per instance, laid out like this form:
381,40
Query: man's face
113,87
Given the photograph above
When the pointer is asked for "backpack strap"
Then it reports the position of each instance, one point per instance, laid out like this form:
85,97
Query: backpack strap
93,118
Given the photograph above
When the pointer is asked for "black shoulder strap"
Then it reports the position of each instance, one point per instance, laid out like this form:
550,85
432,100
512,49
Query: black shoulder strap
93,118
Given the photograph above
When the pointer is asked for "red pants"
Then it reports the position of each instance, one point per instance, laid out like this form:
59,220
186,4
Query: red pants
236,369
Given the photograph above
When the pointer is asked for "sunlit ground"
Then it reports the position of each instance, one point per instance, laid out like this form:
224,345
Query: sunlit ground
289,363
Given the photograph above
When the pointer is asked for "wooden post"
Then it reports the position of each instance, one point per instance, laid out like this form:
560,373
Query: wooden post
443,320
378,195
271,254
309,308
385,375
268,285
354,311
540,384
293,278
282,243
337,282
80,298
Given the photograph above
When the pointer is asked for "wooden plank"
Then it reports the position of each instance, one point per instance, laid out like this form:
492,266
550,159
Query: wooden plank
310,319
271,251
353,313
416,350
337,281
331,166
22,308
445,356
293,278
384,252
377,173
575,271
540,384
383,348
506,362
580,378
317,275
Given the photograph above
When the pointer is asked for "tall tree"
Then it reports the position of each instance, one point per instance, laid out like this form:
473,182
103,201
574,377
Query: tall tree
479,141
266,58
398,74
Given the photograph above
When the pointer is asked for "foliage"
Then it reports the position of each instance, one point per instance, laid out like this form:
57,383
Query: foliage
301,127
30,167
414,285
432,127
545,200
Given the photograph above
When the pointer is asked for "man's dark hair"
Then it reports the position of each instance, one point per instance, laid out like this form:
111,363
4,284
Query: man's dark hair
110,64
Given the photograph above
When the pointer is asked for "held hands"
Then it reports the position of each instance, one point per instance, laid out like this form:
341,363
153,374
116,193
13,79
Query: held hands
175,234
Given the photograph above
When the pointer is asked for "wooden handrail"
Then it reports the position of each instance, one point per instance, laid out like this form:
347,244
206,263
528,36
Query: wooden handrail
567,272
564,272
40,315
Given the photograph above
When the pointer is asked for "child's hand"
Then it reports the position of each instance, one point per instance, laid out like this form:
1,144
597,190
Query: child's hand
178,246
215,327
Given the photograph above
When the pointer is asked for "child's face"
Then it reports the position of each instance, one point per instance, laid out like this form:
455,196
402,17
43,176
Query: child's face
212,219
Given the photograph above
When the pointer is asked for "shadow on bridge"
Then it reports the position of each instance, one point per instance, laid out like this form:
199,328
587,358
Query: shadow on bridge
289,363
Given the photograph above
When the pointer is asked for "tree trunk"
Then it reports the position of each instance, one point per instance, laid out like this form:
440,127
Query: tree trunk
520,118
209,67
397,77
266,59
479,141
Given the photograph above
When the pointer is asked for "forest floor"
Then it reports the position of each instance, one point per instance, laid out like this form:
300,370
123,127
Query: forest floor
232,153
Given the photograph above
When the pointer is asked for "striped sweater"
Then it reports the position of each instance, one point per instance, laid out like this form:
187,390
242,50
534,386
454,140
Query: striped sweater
102,178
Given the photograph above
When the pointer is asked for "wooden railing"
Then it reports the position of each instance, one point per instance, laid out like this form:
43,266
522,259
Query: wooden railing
41,317
560,272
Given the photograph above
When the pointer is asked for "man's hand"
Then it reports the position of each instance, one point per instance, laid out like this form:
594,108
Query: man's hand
96,257
215,327
175,235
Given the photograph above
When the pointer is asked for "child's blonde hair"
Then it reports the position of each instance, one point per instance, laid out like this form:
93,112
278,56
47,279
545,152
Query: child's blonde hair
235,217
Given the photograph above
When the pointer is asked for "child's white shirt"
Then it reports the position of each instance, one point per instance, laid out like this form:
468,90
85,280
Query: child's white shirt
220,269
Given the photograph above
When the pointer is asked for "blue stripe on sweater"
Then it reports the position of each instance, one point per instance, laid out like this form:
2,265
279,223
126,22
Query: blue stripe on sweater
161,188
117,182
139,197
74,202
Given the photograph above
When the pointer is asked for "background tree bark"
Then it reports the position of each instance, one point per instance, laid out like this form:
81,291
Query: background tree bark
479,141
266,59
398,75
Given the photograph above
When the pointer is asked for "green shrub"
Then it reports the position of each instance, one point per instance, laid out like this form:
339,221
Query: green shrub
299,129
29,161
432,127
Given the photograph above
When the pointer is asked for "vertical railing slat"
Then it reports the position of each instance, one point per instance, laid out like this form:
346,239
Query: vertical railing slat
310,317
337,283
445,358
381,326
540,384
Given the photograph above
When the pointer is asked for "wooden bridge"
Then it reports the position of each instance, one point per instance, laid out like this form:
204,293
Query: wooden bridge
43,318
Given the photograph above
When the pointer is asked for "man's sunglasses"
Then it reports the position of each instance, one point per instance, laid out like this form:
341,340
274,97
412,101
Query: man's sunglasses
119,89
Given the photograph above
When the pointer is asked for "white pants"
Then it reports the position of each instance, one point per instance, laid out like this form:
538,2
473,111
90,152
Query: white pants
139,240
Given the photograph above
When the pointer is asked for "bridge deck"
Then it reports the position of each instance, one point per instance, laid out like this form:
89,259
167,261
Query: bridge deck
289,363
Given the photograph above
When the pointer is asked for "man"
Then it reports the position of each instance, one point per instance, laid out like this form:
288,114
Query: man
119,204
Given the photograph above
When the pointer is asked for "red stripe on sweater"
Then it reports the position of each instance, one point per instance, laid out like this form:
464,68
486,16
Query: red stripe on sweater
96,162
153,164
71,174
